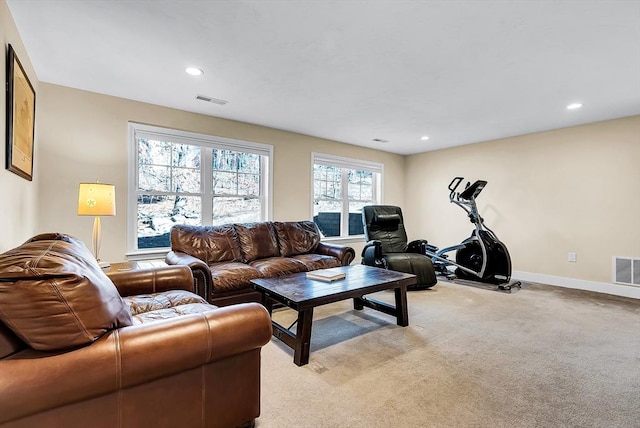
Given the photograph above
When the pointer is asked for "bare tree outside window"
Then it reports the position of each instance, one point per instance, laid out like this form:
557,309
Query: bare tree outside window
236,187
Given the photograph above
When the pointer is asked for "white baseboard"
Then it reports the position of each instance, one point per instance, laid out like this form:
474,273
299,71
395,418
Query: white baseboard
600,287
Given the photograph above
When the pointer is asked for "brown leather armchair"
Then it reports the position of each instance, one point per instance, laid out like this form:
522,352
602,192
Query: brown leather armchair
77,351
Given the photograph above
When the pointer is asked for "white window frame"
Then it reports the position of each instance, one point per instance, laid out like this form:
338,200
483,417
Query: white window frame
137,130
342,162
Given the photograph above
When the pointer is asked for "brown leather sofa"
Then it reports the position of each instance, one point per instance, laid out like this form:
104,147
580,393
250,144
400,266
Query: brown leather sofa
224,259
79,348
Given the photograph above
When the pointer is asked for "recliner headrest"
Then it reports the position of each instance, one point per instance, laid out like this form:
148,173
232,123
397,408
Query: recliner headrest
386,218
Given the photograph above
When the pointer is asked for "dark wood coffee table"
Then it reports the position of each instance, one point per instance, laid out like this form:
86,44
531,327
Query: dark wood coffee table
302,295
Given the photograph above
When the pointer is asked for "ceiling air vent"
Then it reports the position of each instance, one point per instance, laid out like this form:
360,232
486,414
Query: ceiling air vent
211,100
380,140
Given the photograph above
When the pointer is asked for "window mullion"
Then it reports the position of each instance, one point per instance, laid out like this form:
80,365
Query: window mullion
206,188
264,191
344,216
374,188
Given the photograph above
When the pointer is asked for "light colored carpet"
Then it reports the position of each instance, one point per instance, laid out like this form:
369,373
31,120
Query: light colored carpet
542,356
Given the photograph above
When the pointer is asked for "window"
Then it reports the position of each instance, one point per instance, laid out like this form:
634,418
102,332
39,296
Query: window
177,177
341,187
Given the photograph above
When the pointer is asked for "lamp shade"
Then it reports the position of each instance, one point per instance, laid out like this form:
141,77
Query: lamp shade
97,199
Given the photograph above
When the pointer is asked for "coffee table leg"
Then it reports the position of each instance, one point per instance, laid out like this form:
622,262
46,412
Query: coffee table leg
303,337
267,303
401,306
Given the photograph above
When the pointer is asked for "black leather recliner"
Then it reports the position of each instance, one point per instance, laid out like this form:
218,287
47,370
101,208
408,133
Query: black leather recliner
387,245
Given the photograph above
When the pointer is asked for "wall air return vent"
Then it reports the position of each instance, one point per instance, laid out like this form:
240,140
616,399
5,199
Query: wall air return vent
626,270
211,100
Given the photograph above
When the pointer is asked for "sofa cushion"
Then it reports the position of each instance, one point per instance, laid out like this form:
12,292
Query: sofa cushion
278,266
298,237
167,313
317,261
212,244
257,241
147,308
142,303
232,276
53,294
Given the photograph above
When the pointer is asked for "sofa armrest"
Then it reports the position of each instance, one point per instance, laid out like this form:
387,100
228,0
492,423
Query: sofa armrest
33,382
200,270
343,253
152,280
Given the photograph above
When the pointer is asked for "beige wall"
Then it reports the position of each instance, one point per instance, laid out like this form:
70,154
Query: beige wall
83,137
18,197
550,193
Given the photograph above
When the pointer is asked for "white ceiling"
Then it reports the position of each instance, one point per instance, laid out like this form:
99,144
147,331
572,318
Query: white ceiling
458,71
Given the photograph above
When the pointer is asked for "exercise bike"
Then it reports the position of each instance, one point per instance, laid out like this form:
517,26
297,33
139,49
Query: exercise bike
481,257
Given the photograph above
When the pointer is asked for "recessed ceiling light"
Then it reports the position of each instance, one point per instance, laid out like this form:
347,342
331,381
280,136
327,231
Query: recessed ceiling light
424,138
574,106
194,71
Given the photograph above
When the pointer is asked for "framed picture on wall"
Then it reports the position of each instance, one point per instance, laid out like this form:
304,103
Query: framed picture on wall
21,113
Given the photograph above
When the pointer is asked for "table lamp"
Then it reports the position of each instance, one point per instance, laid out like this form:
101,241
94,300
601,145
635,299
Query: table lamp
97,199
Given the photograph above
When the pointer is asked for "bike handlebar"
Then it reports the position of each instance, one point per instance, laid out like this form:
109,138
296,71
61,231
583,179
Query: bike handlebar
453,186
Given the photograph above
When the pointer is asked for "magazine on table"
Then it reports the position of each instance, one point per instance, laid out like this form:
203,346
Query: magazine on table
327,275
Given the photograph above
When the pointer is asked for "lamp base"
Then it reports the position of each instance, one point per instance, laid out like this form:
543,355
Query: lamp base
104,265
